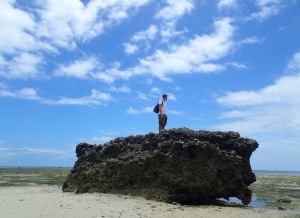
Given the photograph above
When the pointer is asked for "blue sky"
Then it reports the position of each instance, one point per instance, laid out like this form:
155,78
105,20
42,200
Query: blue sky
90,71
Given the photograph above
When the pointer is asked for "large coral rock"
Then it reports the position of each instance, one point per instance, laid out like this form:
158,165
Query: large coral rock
178,165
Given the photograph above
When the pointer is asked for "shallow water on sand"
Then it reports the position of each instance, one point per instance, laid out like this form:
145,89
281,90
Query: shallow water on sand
33,176
270,185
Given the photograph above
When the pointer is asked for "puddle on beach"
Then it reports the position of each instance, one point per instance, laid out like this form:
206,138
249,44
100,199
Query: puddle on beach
270,188
33,176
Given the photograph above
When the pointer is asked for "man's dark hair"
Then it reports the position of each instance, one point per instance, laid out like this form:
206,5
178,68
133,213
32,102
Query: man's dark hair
164,96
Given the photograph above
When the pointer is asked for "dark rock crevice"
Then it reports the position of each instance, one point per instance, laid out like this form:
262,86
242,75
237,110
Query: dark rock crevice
178,165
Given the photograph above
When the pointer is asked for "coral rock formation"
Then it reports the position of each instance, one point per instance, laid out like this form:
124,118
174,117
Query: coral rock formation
177,165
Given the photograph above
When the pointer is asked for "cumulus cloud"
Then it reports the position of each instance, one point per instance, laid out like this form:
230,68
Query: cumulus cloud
74,20
251,40
122,89
130,48
156,90
294,64
274,108
101,139
143,96
148,34
19,27
22,66
175,9
226,3
96,98
79,69
133,111
170,14
195,56
175,112
25,93
267,8
31,33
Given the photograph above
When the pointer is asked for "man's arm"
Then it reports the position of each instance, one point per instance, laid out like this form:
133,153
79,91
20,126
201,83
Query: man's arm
160,108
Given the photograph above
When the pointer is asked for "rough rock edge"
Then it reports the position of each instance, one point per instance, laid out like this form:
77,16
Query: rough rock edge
178,165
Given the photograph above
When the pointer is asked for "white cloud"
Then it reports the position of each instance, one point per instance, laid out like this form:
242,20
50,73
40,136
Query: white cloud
148,34
235,114
133,111
178,113
130,48
22,66
29,150
195,56
236,65
64,21
156,90
25,93
171,97
96,98
30,33
170,14
142,96
28,93
122,89
271,116
282,92
79,68
102,139
272,109
141,40
112,74
251,40
226,3
16,28
267,8
294,64
175,9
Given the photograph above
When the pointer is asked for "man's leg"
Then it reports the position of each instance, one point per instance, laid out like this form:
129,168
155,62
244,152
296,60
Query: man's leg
165,121
161,122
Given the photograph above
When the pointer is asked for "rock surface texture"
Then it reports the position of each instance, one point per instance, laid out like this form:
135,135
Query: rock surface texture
177,165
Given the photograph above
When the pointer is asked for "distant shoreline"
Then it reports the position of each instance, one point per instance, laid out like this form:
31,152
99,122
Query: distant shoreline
269,172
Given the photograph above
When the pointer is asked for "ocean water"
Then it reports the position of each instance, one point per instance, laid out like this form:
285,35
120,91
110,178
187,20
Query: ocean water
269,187
275,173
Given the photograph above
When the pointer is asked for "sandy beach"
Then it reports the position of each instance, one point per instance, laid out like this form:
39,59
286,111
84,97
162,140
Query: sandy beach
50,201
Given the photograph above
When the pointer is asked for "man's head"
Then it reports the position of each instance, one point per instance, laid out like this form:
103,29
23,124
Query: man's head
165,97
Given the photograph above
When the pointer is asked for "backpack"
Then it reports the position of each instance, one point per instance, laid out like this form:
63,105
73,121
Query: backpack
156,108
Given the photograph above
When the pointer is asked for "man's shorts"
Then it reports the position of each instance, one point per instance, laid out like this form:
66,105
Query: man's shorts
162,120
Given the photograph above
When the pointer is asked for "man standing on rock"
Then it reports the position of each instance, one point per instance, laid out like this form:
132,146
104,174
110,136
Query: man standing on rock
162,114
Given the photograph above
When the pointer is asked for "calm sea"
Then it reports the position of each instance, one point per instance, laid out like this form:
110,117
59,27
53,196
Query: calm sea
275,173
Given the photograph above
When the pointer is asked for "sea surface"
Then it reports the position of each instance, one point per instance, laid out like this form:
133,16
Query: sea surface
268,188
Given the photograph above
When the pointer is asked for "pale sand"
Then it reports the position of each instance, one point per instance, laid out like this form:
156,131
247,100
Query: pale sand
50,201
